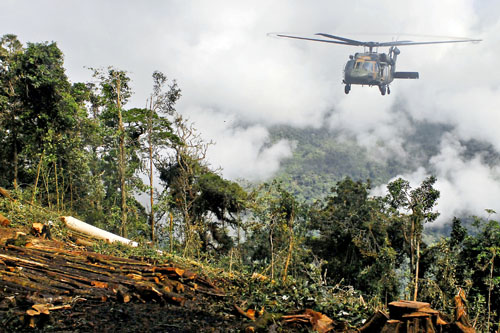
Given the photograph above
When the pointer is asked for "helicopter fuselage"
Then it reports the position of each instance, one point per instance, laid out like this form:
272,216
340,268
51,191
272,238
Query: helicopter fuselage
372,69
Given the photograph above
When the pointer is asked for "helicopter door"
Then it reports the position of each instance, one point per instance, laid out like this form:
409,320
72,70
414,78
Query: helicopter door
384,73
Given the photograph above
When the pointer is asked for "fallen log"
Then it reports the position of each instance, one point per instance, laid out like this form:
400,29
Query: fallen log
80,226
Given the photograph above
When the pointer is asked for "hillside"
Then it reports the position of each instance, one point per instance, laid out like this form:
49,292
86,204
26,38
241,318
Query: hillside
61,280
322,157
52,283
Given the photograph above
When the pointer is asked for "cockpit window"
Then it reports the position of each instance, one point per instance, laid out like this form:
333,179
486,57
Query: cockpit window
368,66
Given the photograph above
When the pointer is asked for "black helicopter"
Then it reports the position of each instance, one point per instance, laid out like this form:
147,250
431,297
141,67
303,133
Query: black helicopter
372,68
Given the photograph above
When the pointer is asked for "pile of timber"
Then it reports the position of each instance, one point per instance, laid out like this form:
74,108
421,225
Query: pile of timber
414,317
52,278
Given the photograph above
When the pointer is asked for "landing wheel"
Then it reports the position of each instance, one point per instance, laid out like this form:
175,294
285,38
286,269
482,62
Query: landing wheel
347,88
382,89
388,90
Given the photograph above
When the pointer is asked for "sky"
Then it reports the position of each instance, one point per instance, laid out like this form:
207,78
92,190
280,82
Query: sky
237,81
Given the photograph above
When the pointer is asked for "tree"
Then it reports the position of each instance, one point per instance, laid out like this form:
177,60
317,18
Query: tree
40,118
482,253
10,105
276,229
218,206
159,129
115,91
179,172
354,239
205,201
418,204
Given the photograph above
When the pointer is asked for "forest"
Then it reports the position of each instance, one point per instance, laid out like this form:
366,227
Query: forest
77,149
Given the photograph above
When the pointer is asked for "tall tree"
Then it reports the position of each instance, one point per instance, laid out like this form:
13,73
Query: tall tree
10,106
179,172
418,206
276,230
161,104
115,91
204,200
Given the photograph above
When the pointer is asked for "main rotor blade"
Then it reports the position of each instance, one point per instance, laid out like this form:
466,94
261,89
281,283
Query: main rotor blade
347,40
403,43
312,39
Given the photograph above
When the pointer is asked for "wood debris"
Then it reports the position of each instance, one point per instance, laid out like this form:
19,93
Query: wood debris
60,275
316,320
416,317
6,194
40,230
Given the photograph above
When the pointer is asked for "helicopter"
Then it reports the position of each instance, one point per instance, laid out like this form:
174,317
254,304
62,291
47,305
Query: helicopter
370,67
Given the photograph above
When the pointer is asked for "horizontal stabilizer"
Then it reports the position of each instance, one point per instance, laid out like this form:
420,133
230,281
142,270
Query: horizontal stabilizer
406,75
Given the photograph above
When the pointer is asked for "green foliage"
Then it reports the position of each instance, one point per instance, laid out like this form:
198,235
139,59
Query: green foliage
310,291
468,262
354,239
22,215
276,230
219,196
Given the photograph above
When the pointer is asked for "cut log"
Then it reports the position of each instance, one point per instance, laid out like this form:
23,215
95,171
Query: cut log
375,322
80,226
399,308
463,328
40,230
67,274
250,313
392,326
416,315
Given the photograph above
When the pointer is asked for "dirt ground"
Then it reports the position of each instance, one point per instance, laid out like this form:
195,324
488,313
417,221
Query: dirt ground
110,316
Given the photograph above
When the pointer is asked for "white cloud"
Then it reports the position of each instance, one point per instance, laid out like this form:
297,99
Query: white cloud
241,151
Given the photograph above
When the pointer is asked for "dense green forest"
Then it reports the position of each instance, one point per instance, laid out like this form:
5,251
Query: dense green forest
76,148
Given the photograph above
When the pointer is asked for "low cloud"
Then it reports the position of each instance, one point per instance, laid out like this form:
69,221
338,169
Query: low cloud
240,151
467,186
